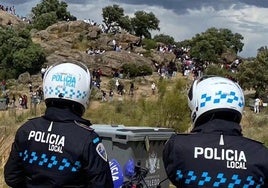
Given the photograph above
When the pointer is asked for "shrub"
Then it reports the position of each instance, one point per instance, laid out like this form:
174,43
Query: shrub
132,70
149,44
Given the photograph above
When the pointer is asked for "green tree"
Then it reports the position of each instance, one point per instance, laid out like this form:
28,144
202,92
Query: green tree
113,17
210,45
140,25
217,70
28,59
262,49
18,53
254,74
49,12
143,23
166,39
184,43
45,20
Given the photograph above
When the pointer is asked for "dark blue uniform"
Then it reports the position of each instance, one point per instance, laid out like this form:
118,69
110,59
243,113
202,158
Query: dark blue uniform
57,150
216,154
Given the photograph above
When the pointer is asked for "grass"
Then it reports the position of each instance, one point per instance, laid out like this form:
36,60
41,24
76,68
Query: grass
255,125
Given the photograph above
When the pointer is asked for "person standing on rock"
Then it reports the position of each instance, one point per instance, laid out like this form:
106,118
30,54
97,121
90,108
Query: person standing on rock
60,149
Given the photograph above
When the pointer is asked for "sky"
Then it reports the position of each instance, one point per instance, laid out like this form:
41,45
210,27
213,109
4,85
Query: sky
181,19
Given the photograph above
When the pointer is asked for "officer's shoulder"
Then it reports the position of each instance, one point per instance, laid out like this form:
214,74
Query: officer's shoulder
253,141
184,134
84,126
34,118
181,135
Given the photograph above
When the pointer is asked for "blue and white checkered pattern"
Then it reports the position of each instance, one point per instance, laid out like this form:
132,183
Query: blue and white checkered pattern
230,98
67,93
204,179
51,162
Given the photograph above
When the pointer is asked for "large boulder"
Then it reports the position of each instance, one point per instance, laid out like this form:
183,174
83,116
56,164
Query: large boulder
108,61
24,78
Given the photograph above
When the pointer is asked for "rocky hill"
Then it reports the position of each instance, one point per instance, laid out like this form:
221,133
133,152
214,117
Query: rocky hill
7,19
70,40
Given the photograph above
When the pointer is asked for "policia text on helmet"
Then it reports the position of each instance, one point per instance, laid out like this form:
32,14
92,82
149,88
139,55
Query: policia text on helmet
67,85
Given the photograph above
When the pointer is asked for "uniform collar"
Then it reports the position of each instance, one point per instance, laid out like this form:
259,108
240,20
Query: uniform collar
219,126
63,115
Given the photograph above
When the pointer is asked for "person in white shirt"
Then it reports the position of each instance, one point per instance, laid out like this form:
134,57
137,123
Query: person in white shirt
153,88
257,105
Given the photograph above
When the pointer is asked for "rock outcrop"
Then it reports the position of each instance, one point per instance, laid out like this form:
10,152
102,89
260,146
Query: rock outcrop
7,19
70,40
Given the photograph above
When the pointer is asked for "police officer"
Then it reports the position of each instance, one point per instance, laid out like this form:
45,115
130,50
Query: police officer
215,154
60,149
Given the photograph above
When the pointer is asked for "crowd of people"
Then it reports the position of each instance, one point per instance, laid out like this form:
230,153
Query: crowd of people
97,51
10,9
20,100
23,100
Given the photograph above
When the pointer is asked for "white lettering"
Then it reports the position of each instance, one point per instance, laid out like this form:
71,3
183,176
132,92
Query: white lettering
236,165
55,148
198,151
229,155
44,137
115,177
235,159
31,135
52,139
216,154
208,153
62,141
115,171
38,136
222,154
242,157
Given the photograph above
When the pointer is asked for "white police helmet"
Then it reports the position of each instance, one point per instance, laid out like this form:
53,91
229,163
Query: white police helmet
68,81
214,94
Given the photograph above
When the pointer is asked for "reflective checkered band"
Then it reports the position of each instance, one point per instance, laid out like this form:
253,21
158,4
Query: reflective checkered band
96,140
51,162
220,96
221,180
191,178
67,92
179,174
204,179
